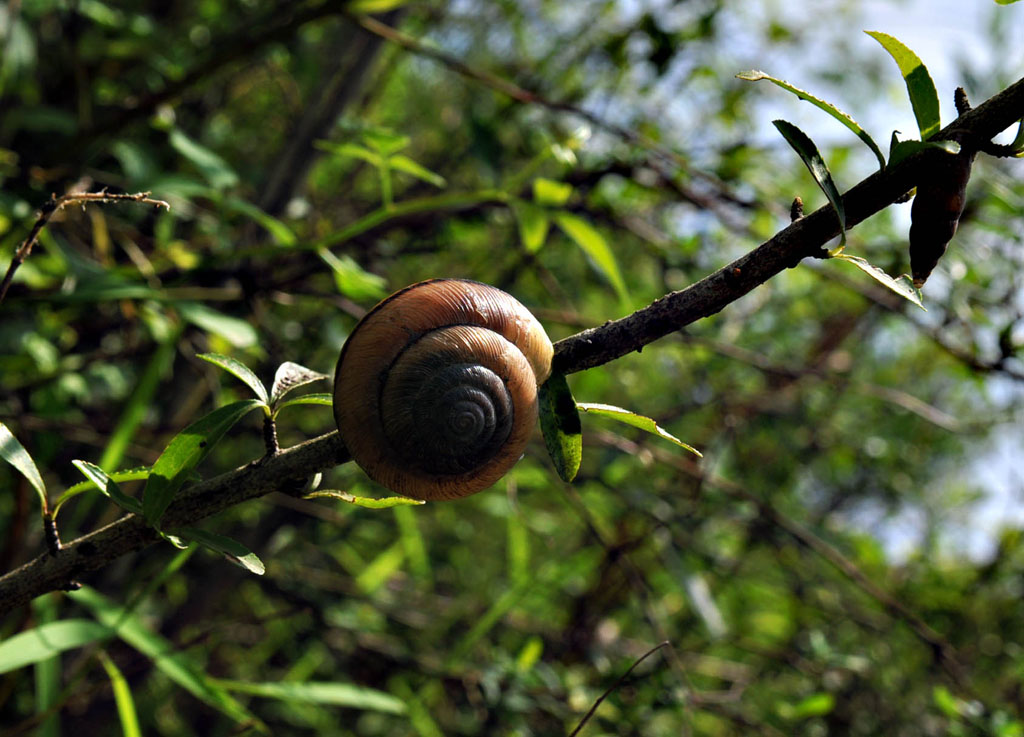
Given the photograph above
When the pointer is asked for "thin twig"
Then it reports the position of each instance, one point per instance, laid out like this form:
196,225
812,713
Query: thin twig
618,682
59,203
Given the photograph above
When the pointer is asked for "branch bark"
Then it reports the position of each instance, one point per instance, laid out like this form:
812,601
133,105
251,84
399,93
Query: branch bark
593,347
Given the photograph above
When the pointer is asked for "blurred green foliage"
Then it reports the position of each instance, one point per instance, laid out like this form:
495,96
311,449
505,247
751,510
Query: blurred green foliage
311,168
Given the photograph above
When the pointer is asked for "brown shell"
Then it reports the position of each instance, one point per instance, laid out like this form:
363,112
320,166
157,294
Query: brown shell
423,329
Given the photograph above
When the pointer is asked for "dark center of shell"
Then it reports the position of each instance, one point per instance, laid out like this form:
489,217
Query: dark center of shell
447,419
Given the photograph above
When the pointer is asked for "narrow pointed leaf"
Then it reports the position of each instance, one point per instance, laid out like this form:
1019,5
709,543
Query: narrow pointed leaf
122,697
227,546
185,452
755,75
901,285
211,165
320,398
289,376
590,240
334,694
237,332
560,424
239,370
42,642
281,233
808,152
363,501
401,162
108,486
899,150
132,474
634,420
14,453
353,280
352,150
920,88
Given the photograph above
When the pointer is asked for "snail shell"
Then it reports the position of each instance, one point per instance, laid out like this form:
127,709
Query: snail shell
435,394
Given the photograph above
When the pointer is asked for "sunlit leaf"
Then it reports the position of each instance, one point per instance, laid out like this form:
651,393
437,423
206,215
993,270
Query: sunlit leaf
401,162
312,692
133,474
352,150
899,150
108,486
533,224
289,376
46,640
550,193
122,697
634,420
353,280
755,75
14,453
363,501
590,240
185,452
239,370
237,332
318,398
808,152
560,425
227,546
902,286
920,88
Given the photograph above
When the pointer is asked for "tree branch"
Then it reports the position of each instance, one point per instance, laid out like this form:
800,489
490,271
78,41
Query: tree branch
805,237
593,347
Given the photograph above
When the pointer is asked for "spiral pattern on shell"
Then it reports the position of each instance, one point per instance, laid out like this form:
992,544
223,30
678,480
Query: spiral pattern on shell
435,394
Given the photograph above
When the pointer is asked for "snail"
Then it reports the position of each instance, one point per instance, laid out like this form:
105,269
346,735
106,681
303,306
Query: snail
435,393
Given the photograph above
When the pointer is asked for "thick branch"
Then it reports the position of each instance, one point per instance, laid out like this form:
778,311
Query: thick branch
51,572
805,237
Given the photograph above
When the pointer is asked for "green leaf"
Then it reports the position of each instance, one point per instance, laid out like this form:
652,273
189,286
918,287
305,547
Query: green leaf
948,703
227,546
352,150
216,170
754,75
533,224
133,474
920,87
899,150
1005,2
363,501
312,692
122,697
237,332
321,398
281,233
903,286
587,237
108,486
550,193
808,152
560,424
634,420
374,6
401,162
14,453
176,665
289,376
46,640
185,452
351,279
239,370
815,705
384,141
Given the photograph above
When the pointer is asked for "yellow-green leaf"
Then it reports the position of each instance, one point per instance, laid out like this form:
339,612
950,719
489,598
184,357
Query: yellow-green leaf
634,420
